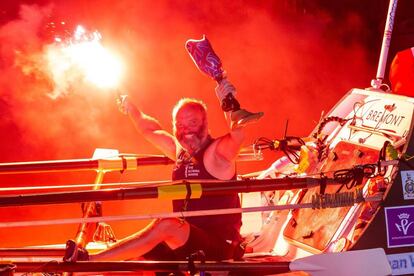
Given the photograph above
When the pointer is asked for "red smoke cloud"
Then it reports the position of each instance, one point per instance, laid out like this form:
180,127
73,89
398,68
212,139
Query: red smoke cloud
291,69
288,66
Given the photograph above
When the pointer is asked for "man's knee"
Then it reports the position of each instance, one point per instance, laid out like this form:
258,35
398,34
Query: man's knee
174,230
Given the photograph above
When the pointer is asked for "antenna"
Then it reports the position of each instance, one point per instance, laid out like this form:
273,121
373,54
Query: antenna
386,41
286,127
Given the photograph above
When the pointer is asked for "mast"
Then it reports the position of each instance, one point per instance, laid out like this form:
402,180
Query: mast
386,41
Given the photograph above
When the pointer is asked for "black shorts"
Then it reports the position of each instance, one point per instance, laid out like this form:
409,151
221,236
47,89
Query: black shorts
215,248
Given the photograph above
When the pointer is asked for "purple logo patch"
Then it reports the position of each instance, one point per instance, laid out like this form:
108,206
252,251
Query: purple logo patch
400,226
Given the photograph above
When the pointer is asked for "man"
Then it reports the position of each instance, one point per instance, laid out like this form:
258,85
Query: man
197,156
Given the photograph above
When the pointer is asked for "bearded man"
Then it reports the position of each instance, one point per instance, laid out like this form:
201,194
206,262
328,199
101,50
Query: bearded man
197,156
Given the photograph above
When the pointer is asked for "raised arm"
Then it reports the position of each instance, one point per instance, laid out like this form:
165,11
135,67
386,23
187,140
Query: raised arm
220,157
149,127
228,146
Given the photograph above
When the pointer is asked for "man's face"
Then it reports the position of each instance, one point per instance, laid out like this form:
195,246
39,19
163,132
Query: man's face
190,128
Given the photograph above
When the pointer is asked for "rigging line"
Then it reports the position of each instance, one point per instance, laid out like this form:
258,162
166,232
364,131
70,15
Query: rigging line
39,268
357,105
408,157
321,201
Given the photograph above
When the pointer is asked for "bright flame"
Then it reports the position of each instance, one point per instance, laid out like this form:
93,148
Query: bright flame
83,57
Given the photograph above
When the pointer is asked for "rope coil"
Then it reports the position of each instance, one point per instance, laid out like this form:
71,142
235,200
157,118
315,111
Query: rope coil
327,120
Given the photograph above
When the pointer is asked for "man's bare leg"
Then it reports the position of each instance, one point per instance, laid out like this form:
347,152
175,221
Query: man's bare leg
174,232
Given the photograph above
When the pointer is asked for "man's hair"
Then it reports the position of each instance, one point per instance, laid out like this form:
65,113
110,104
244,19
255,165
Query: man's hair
189,102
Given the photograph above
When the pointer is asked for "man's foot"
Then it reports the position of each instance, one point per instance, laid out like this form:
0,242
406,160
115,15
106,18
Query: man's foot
242,117
75,253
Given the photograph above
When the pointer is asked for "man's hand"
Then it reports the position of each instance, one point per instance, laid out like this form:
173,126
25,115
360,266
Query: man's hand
124,104
148,126
236,116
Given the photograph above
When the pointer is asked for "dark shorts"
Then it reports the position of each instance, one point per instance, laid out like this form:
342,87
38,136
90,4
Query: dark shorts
214,248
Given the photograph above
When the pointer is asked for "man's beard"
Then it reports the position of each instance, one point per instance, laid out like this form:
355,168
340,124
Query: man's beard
193,140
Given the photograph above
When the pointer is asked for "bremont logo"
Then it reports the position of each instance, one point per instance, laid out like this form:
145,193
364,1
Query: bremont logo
390,115
383,117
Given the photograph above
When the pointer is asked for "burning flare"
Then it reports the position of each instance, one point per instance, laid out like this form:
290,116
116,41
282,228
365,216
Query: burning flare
82,57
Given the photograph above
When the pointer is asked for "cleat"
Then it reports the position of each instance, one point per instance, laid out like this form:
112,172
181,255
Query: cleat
71,252
75,253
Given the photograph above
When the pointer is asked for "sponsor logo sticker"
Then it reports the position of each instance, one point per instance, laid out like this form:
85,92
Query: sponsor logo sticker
402,264
400,226
386,115
407,181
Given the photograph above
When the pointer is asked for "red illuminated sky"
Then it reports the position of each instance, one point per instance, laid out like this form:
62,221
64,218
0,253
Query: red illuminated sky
291,62
290,69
